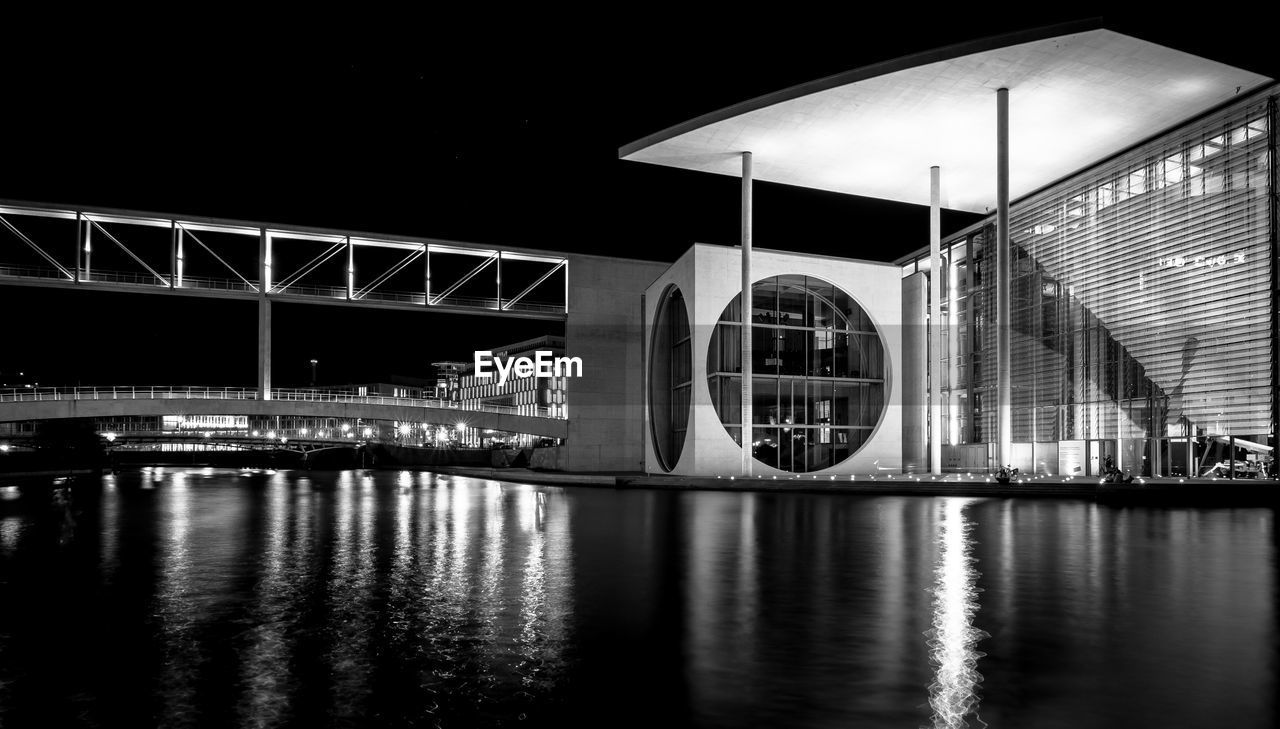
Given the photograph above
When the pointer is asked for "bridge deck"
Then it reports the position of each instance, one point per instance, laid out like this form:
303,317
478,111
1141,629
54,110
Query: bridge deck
54,403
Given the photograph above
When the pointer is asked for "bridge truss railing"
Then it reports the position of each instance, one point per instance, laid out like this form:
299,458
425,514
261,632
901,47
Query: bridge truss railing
168,392
56,247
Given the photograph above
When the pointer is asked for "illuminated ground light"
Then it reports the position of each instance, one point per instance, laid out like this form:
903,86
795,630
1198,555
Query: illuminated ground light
404,429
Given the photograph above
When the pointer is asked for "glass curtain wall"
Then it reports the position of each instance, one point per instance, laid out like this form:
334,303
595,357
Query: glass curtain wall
1140,302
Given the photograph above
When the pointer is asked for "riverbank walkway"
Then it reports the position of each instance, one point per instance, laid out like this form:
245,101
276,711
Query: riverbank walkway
1205,490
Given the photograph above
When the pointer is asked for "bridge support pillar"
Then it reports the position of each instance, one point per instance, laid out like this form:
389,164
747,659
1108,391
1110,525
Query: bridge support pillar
264,317
264,347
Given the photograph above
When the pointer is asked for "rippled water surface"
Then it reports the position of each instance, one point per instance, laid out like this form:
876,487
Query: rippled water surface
189,597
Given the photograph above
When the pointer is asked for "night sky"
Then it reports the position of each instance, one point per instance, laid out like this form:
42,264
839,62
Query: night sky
488,127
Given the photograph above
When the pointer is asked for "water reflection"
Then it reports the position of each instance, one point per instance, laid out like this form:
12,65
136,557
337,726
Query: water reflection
284,573
110,529
953,694
350,596
393,599
176,609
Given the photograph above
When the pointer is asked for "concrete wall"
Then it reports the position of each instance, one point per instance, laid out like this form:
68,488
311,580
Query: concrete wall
915,394
606,404
681,276
710,276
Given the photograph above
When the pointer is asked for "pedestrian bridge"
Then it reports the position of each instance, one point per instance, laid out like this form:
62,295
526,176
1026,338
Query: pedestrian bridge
44,403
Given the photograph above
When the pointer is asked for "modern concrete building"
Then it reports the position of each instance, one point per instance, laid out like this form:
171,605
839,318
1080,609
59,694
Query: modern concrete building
823,394
1117,306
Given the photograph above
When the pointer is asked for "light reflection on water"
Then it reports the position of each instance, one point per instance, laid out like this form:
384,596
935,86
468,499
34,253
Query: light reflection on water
264,695
953,693
271,599
176,605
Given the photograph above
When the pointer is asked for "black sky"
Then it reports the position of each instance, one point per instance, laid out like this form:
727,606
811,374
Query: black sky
489,126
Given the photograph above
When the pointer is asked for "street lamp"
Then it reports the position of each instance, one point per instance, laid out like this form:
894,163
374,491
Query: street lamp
314,362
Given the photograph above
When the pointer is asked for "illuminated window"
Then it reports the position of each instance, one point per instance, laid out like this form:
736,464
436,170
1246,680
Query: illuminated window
817,373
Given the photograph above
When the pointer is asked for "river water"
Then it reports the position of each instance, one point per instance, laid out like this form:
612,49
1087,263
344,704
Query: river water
201,597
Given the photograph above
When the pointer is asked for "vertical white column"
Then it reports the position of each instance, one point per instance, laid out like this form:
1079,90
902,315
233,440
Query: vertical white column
351,270
181,256
264,315
88,249
1120,386
935,321
1004,384
955,340
746,314
76,245
173,254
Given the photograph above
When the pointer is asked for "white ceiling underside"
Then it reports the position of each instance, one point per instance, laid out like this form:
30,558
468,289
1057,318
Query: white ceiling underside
1073,100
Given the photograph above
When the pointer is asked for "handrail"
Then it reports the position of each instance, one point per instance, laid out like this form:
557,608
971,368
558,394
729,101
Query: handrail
205,392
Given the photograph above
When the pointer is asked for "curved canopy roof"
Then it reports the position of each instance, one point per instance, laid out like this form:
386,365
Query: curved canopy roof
1078,93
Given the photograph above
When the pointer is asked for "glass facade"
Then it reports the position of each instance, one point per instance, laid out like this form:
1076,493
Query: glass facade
1141,307
817,373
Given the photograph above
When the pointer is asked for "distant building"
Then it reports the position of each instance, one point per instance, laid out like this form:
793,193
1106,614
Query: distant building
448,375
417,388
546,396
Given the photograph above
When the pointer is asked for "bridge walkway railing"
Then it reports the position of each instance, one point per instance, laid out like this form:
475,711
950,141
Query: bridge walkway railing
169,392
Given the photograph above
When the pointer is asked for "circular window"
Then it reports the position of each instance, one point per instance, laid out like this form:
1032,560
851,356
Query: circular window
817,376
670,377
